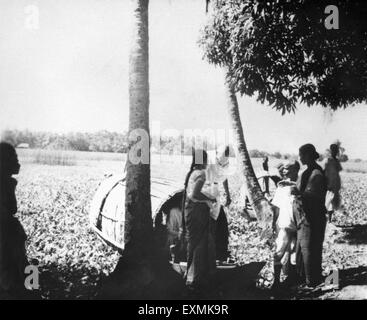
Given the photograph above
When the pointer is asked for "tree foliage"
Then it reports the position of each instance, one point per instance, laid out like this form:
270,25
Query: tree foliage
282,52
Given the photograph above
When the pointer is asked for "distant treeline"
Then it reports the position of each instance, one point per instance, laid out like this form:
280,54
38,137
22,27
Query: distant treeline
106,141
101,141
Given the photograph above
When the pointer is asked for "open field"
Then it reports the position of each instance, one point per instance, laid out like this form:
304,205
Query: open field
53,208
84,157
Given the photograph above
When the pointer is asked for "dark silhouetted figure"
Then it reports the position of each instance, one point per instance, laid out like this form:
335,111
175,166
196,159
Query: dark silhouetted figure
266,178
332,173
12,236
310,236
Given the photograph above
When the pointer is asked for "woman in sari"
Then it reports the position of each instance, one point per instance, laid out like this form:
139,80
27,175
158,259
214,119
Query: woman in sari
311,230
198,225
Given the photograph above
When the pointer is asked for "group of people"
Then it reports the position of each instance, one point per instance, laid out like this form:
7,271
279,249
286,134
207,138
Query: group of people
300,202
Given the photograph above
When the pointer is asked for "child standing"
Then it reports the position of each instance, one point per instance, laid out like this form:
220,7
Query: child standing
284,221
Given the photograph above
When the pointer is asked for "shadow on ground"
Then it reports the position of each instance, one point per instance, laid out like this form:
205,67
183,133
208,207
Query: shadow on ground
237,283
352,286
353,276
353,235
68,282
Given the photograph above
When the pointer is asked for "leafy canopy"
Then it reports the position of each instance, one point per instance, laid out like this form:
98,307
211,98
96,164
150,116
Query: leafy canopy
282,52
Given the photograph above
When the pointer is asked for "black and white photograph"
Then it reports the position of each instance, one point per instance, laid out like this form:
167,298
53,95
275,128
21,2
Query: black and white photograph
194,151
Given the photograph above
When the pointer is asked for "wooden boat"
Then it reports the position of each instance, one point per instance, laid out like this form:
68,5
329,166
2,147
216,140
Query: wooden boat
107,209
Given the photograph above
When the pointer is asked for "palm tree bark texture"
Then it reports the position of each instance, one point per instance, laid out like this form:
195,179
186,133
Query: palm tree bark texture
260,204
141,272
138,218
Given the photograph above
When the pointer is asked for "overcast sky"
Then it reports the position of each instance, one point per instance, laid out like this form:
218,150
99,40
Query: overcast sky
70,73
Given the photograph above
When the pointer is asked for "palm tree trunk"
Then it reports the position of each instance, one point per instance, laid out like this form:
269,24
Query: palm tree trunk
134,274
259,203
139,225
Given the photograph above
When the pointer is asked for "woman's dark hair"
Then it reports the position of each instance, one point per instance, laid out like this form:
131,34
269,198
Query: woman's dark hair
227,151
196,162
310,150
334,148
297,166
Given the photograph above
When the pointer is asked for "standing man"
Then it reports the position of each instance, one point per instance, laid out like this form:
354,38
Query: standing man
266,178
217,173
311,231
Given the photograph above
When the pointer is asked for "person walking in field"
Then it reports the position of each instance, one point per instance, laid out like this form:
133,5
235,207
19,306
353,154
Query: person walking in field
13,258
198,225
284,222
332,173
310,235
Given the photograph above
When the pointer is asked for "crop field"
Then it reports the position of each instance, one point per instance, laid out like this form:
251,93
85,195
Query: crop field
54,196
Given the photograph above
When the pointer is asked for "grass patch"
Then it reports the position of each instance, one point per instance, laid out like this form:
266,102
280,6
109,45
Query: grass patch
355,167
353,170
54,158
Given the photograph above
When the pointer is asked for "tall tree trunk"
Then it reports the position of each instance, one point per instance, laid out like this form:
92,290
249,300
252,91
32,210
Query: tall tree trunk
259,203
139,225
141,273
